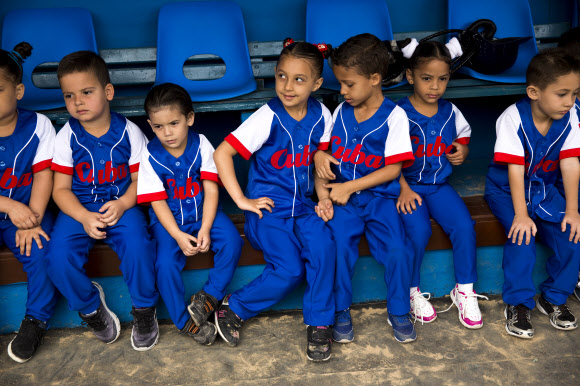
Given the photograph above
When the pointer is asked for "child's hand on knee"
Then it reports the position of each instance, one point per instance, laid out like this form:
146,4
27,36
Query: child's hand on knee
203,240
325,209
256,205
92,224
572,218
522,226
322,163
25,237
406,201
22,216
188,243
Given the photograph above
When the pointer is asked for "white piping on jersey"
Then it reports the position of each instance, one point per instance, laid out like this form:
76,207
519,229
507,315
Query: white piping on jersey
92,163
439,158
112,165
293,157
308,156
15,158
345,140
424,149
531,161
170,171
540,205
188,171
363,140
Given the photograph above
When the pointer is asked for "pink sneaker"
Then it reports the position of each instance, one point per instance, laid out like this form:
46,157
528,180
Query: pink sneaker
469,313
421,309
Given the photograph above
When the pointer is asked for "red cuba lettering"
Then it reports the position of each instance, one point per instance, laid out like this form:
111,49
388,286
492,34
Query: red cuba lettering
10,181
80,172
190,190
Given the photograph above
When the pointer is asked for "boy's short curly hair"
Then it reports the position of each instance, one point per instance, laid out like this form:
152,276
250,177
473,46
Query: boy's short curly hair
365,53
547,66
84,61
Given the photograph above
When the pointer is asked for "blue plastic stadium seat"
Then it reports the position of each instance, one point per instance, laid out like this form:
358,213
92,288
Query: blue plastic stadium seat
197,28
335,21
53,33
513,18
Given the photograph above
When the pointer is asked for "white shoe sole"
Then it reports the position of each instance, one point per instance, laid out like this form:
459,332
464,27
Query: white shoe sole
217,327
523,336
476,327
115,318
13,356
401,341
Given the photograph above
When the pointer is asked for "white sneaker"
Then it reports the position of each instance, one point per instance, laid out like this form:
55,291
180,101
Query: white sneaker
421,309
469,313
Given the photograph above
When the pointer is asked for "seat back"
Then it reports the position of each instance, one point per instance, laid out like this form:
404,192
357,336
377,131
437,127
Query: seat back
512,18
333,22
53,33
200,28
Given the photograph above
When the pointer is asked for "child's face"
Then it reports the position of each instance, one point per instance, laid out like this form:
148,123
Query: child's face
171,127
295,80
354,87
10,94
429,80
85,98
558,97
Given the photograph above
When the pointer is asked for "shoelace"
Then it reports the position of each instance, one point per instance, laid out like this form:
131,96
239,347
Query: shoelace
469,302
420,301
401,319
522,313
95,322
343,316
565,313
144,320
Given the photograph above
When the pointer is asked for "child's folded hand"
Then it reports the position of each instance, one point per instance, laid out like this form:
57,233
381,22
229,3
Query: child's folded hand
21,216
203,240
92,224
406,201
256,205
24,238
339,192
111,212
572,218
522,226
322,163
325,209
188,243
460,154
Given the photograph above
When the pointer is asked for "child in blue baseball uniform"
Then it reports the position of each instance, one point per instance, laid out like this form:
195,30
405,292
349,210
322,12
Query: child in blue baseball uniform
439,135
178,177
97,155
280,139
26,151
370,142
537,138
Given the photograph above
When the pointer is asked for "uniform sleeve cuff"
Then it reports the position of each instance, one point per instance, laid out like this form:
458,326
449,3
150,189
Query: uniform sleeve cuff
150,197
463,140
62,169
323,146
570,153
401,157
236,144
134,168
504,158
41,165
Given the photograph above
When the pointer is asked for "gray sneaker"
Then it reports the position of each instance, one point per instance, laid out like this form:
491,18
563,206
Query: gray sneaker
560,316
577,289
104,323
145,333
204,334
201,307
518,321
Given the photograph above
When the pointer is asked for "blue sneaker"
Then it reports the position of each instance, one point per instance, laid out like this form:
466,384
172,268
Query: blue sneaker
342,331
403,328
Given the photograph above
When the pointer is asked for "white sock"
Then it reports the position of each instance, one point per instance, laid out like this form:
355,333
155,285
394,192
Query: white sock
414,290
465,288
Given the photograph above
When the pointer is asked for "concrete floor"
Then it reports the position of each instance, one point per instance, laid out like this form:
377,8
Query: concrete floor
272,351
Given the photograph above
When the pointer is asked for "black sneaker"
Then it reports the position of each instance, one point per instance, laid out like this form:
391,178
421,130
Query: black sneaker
560,316
319,343
29,337
518,321
204,334
145,333
577,289
104,323
201,307
228,323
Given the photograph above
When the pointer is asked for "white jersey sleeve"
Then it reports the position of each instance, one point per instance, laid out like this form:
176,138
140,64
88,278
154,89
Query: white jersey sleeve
462,128
571,147
253,133
208,168
149,185
63,159
508,146
324,143
45,150
138,143
398,144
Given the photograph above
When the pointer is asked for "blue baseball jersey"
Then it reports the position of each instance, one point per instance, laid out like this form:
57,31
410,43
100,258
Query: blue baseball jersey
362,148
281,151
177,180
100,167
519,142
28,150
432,138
